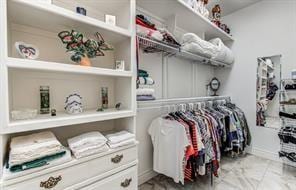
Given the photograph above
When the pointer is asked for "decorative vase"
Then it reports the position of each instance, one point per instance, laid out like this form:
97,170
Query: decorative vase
85,61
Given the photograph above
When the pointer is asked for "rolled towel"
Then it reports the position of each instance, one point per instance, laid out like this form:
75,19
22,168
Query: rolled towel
119,137
85,140
122,143
146,80
145,91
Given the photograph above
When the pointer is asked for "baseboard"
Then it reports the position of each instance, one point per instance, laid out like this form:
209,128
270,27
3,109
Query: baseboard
266,154
146,176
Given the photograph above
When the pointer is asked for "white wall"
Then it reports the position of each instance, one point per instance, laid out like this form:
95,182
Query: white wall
264,29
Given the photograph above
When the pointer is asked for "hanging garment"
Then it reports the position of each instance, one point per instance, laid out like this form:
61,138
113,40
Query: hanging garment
170,142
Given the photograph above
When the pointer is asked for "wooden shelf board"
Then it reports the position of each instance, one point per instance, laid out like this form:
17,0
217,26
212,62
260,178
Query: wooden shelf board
62,67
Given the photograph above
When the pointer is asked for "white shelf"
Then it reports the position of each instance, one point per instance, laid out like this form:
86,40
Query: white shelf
187,18
54,18
63,119
61,67
66,165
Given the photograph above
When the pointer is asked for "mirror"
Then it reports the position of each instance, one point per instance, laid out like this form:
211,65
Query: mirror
268,90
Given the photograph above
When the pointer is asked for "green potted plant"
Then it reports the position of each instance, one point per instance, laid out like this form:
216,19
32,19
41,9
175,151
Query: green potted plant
82,48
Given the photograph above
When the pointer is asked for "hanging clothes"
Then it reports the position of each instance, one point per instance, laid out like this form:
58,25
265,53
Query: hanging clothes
188,144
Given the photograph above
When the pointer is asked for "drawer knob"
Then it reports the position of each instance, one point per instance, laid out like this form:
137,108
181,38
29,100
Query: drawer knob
126,182
117,159
51,182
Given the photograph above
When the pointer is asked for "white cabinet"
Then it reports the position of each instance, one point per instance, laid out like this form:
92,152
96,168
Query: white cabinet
39,23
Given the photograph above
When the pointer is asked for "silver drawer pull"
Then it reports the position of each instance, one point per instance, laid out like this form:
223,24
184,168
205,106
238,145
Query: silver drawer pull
51,182
126,182
117,159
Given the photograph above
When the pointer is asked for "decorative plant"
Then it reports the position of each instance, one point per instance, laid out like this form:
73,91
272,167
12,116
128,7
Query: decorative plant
82,48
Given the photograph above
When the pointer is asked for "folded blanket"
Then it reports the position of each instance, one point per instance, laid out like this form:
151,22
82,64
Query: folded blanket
223,54
7,174
122,143
145,98
31,147
85,140
145,91
119,137
90,151
36,163
146,80
142,30
194,44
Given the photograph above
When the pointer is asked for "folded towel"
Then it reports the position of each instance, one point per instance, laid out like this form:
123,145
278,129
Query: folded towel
122,143
119,137
7,174
90,151
36,163
145,98
31,147
85,140
146,80
145,86
143,75
142,71
145,91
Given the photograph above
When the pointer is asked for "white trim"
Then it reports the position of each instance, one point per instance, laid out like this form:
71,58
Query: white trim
146,176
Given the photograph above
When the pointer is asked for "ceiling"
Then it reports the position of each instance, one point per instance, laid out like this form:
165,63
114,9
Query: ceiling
230,6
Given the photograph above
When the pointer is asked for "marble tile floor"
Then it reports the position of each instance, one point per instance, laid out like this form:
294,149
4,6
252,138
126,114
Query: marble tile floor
247,172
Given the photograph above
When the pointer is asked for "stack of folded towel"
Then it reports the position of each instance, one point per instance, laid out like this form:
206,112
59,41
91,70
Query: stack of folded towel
119,139
88,144
35,150
145,83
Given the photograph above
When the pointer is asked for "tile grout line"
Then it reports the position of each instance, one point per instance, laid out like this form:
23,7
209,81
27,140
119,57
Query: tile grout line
264,174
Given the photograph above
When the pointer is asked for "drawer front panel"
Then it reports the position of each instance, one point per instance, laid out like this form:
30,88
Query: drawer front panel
124,180
62,179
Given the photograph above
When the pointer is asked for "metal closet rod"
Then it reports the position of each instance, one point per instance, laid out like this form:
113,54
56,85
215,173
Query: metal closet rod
166,102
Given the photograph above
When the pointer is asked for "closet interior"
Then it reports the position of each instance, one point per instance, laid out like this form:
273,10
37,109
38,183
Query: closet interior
108,94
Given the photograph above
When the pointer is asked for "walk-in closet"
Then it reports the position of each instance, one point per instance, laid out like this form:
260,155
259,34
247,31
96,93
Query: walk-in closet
147,95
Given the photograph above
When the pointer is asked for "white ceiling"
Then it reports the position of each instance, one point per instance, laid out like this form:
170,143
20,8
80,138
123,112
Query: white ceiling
230,6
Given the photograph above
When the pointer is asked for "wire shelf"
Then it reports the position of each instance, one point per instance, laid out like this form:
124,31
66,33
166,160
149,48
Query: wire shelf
288,148
152,46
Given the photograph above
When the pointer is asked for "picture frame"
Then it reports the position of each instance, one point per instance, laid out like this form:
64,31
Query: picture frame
119,65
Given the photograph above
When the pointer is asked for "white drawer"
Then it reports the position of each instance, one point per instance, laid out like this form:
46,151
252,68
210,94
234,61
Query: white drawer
124,180
78,173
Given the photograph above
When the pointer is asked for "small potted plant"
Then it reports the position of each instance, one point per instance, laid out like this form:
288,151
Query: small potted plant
83,49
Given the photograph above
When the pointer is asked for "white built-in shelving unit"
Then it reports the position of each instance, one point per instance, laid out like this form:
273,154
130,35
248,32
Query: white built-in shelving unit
38,23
